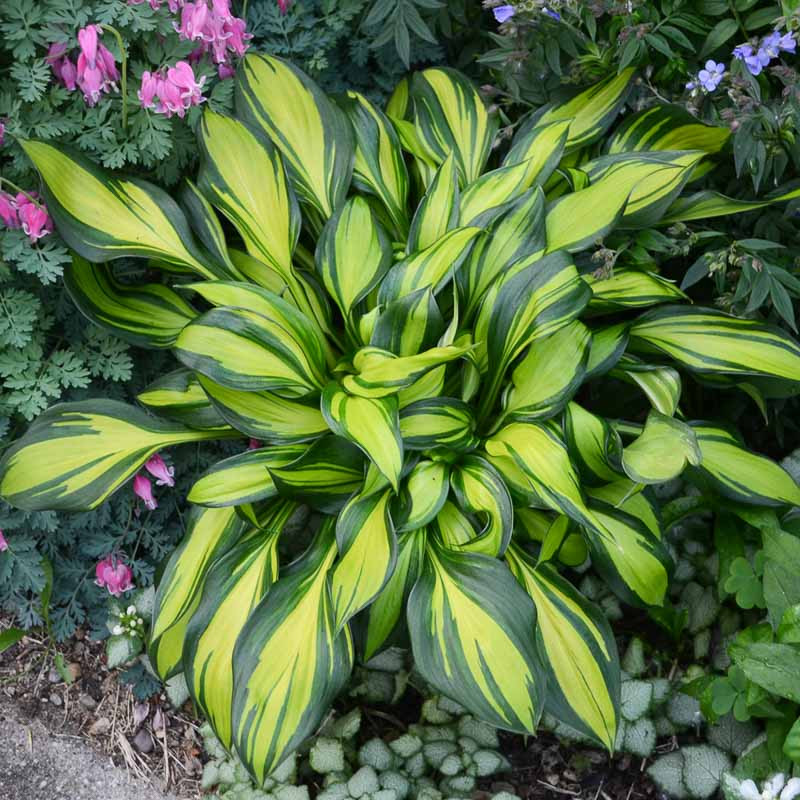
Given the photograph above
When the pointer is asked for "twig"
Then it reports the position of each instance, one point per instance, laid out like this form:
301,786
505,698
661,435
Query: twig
559,790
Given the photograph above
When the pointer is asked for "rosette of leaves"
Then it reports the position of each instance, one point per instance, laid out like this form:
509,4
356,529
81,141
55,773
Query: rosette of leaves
404,326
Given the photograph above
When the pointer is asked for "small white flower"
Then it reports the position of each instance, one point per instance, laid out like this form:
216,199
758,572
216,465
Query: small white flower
773,786
131,610
118,630
749,791
791,790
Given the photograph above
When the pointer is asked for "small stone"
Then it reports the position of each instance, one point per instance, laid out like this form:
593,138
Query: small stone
100,726
53,676
56,700
74,671
88,702
143,741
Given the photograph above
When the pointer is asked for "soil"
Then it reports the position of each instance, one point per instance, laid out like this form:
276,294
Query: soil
89,739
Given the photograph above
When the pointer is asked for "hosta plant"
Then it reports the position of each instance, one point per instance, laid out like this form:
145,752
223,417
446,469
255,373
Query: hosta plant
402,325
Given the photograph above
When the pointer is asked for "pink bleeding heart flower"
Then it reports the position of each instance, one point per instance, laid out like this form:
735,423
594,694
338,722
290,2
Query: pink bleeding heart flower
164,475
87,40
113,574
148,89
218,31
3,543
2,132
225,71
65,70
143,489
283,5
8,211
182,76
33,218
96,71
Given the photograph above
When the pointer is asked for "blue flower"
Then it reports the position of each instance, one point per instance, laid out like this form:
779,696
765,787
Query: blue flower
711,76
504,13
552,14
742,51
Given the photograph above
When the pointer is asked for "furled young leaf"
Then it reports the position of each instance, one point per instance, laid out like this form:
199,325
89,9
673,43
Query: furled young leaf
210,533
235,584
473,634
578,649
740,474
368,551
662,385
438,422
76,454
423,494
179,396
608,346
313,135
409,325
437,212
148,315
595,446
662,450
290,661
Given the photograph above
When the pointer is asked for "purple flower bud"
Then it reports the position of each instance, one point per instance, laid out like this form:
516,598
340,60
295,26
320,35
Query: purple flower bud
552,14
504,13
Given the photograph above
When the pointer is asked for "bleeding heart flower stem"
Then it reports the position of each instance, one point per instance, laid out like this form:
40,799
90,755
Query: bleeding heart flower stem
123,70
19,190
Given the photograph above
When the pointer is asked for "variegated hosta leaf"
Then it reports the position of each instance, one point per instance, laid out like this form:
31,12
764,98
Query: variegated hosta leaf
380,373
473,634
179,396
549,374
77,454
628,555
707,204
422,496
383,621
450,117
408,325
634,499
210,532
324,476
290,661
313,135
710,341
353,253
148,315
595,446
452,527
101,217
589,114
437,212
243,478
578,649
608,347
370,423
539,147
662,385
243,350
242,175
432,267
740,474
235,584
630,288
265,415
438,422
481,492
661,451
533,454
367,554
379,167
514,233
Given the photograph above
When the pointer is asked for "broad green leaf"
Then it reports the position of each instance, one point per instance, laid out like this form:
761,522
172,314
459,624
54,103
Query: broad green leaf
102,217
578,649
370,423
382,623
353,253
148,315
595,447
210,532
9,637
265,415
628,555
473,635
379,167
242,175
432,267
437,212
450,117
739,474
710,341
633,499
77,454
608,346
708,204
438,422
630,288
408,325
178,396
480,491
662,450
549,374
313,135
235,584
540,147
380,373
662,385
429,385
243,478
324,476
422,496
290,661
243,350
367,554
771,666
494,190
